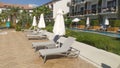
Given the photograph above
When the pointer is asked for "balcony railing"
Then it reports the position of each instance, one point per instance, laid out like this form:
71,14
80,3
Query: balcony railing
93,11
87,11
109,9
74,3
70,3
77,13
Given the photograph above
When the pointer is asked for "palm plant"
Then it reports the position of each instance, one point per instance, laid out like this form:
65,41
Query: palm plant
3,17
39,10
25,19
4,14
14,13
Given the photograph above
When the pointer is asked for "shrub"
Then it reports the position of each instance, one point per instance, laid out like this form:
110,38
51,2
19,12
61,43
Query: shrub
18,28
50,23
49,28
68,22
115,23
82,22
94,23
11,25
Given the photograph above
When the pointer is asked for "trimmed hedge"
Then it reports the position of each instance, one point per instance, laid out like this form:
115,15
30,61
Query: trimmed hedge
94,23
68,22
115,23
82,22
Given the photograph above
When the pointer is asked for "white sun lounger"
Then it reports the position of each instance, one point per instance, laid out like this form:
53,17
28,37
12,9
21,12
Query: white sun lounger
48,44
65,49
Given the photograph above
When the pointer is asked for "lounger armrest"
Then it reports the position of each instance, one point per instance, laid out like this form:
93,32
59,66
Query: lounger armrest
73,52
50,47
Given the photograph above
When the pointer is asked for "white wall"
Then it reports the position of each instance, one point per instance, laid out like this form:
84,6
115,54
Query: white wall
60,5
0,10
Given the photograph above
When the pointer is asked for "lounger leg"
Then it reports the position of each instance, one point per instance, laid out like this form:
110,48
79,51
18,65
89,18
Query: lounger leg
35,49
44,59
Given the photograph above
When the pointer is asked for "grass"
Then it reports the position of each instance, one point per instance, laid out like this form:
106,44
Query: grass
100,41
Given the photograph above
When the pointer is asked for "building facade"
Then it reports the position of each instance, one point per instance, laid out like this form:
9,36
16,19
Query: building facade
93,8
82,9
5,6
49,17
55,5
60,4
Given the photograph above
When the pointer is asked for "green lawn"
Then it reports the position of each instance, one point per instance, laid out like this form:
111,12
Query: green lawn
100,41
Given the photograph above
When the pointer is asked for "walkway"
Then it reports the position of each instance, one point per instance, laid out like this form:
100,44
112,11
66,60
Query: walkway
16,52
97,56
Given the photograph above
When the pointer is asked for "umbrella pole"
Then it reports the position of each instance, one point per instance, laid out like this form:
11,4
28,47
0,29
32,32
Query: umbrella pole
76,24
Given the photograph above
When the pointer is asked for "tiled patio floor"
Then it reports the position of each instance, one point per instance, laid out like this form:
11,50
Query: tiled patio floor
16,52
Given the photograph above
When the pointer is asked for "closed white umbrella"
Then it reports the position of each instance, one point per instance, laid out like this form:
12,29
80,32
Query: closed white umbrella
34,21
106,21
4,20
59,25
17,20
8,19
41,23
88,21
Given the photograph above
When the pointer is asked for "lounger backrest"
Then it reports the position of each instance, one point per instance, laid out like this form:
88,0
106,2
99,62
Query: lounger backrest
56,37
61,39
50,35
67,43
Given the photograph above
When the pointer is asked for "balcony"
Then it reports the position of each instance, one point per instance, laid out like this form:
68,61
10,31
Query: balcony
109,9
87,11
81,3
91,0
76,3
80,13
94,11
70,4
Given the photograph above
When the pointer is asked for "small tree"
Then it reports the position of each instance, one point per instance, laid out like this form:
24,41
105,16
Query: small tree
13,14
42,9
4,15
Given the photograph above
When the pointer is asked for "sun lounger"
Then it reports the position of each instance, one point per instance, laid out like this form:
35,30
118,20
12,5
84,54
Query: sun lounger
36,32
37,36
48,44
28,30
65,49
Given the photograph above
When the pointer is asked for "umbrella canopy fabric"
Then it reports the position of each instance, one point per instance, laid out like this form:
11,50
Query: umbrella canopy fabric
8,19
4,20
106,21
41,23
34,21
59,25
17,20
76,20
88,21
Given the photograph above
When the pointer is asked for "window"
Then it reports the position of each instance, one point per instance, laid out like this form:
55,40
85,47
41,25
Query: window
94,8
